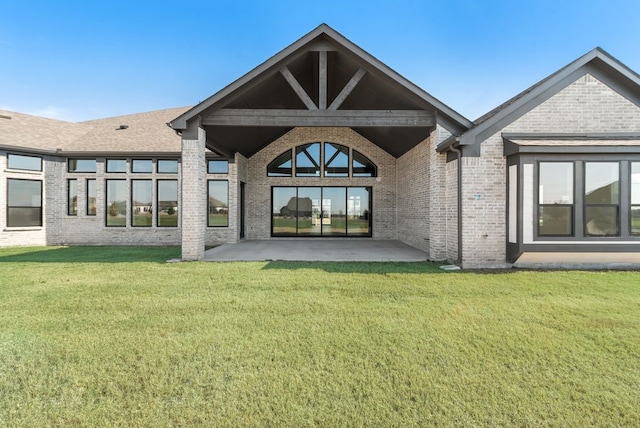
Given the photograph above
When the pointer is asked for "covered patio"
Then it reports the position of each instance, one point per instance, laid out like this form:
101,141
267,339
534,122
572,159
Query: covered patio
354,250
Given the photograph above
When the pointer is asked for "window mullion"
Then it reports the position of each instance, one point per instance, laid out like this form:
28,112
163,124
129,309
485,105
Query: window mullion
578,201
625,199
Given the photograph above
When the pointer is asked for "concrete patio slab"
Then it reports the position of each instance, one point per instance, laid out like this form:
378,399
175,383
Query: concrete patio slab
352,250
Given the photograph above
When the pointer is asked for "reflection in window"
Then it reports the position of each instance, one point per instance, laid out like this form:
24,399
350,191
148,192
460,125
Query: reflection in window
218,203
308,160
116,165
336,160
167,203
81,165
601,198
358,216
362,166
635,198
24,203
142,166
72,197
91,196
141,203
280,166
218,166
116,203
555,199
167,166
29,163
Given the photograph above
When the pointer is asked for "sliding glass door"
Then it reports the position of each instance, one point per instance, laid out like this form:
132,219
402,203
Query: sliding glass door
321,211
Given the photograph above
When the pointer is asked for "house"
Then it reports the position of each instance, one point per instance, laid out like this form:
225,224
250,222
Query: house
324,126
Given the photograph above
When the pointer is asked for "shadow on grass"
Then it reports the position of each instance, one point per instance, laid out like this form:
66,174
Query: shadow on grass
89,254
359,267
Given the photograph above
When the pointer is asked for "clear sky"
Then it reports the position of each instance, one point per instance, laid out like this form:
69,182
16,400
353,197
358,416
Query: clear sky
88,59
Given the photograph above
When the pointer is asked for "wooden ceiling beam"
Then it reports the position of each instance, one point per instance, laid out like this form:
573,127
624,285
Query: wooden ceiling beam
299,90
347,89
293,118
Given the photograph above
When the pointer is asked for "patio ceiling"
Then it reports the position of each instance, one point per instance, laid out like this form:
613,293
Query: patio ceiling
320,81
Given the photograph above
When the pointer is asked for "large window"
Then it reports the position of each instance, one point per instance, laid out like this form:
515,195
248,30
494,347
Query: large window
321,211
91,196
555,199
141,203
24,203
281,166
72,197
218,203
336,160
362,166
28,163
167,203
635,198
602,198
116,203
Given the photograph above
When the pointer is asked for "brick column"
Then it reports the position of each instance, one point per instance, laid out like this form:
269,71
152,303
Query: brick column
193,212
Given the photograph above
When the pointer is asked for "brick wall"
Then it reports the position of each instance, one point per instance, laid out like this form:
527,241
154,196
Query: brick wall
258,198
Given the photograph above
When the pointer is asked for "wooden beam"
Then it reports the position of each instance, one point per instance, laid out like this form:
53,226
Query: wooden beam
348,118
298,89
347,89
322,80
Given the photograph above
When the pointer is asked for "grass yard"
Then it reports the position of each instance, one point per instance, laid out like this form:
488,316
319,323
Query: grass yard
116,337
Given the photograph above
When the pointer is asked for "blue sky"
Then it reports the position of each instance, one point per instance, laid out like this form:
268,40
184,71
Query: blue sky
81,60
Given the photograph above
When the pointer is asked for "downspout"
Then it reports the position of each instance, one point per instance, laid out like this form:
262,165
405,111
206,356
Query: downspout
459,194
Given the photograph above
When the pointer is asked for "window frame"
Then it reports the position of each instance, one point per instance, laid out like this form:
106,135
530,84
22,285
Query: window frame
133,166
70,212
132,205
106,202
82,171
108,171
162,161
211,162
572,206
10,155
88,197
158,206
586,205
209,204
8,201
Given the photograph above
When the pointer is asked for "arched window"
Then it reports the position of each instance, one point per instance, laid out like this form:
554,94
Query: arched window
334,161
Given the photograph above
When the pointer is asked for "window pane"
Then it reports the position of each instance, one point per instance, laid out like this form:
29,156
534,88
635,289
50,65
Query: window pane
218,167
141,205
30,163
72,198
116,203
362,166
602,182
81,165
308,160
116,165
24,193
168,203
635,220
167,166
556,183
91,197
24,203
635,183
358,211
308,210
336,160
284,210
280,166
218,203
142,166
555,220
334,211
601,221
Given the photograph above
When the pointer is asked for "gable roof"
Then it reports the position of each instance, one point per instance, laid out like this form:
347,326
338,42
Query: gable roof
596,62
264,87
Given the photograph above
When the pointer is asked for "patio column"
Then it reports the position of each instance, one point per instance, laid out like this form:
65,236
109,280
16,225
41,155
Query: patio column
193,213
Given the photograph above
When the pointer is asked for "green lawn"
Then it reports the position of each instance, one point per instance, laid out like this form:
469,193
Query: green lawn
114,336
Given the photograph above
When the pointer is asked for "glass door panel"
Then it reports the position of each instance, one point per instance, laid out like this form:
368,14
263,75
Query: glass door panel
309,211
334,211
283,212
358,218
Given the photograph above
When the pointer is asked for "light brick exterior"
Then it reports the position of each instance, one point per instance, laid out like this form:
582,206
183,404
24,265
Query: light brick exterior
194,197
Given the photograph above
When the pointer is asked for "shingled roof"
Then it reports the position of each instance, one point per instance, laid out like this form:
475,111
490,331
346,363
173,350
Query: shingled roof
134,133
